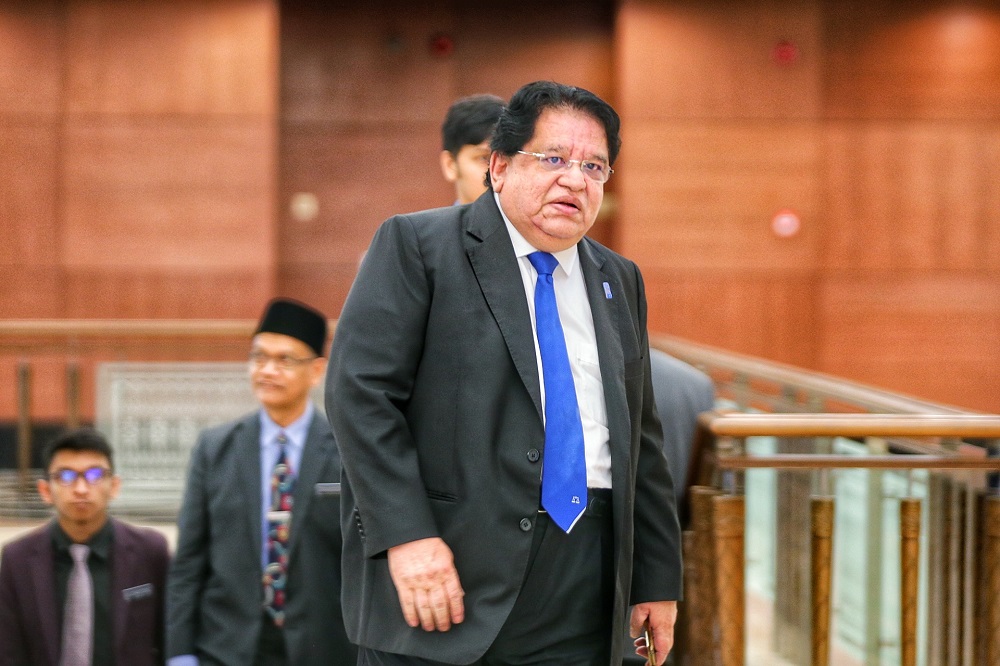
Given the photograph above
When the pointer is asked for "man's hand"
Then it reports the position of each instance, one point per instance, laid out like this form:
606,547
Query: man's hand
661,616
426,580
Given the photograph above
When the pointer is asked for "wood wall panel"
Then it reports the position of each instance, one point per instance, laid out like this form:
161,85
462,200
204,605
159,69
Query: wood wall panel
363,96
185,57
911,196
344,170
770,315
156,193
31,291
143,293
31,48
918,60
696,59
932,336
28,196
495,52
703,195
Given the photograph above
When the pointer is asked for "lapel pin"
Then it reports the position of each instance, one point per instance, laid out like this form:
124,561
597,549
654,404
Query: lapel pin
607,290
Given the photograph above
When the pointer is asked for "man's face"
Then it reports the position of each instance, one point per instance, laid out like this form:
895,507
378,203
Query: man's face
467,170
282,371
80,504
553,210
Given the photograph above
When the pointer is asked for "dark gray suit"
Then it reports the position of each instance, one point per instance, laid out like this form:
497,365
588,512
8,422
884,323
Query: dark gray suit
214,591
433,394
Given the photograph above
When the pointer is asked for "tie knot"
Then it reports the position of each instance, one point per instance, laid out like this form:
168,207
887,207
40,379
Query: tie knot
543,262
79,552
282,439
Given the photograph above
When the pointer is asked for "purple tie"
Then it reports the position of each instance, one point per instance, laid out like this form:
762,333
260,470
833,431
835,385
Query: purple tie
78,614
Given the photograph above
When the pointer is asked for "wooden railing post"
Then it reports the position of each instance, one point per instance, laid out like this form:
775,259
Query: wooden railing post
990,583
728,532
909,578
822,567
24,424
699,581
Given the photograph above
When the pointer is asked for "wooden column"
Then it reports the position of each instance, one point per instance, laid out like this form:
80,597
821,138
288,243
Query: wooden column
699,581
909,578
822,567
728,532
990,583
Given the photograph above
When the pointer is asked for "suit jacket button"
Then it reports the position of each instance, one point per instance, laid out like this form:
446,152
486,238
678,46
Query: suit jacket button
533,455
525,525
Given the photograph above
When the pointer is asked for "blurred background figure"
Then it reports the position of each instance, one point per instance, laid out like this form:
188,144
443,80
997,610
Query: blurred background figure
85,588
256,577
465,141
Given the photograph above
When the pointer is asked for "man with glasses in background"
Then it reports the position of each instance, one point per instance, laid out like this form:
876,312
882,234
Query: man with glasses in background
256,575
506,496
86,589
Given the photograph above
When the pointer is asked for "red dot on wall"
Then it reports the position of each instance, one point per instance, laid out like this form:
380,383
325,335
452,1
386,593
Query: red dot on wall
441,45
785,52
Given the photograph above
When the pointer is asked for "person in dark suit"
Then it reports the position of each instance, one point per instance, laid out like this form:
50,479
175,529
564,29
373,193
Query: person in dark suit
465,425
256,575
117,618
465,144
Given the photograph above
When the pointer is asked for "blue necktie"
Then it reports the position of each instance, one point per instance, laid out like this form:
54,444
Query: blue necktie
564,470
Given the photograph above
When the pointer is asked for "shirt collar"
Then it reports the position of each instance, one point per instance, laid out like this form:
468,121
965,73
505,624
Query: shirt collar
100,543
295,431
567,258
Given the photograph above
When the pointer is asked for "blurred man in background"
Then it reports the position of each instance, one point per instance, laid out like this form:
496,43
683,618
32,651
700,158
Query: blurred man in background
86,589
256,576
465,140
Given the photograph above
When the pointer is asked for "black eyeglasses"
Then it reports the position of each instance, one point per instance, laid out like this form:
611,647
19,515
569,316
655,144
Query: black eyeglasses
92,475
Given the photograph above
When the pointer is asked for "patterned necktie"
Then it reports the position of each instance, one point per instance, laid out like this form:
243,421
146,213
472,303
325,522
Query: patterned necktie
564,469
279,519
78,614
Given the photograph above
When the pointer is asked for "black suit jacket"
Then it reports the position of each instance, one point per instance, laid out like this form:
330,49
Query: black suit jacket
215,595
433,394
30,630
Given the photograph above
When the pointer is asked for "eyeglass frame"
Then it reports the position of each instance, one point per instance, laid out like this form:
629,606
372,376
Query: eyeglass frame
568,164
67,477
285,363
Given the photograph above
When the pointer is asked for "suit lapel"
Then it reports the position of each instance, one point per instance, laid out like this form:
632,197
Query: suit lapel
315,453
122,562
607,316
495,266
43,582
246,477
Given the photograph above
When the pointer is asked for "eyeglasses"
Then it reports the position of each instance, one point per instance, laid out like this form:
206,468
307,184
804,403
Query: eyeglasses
596,171
259,359
92,475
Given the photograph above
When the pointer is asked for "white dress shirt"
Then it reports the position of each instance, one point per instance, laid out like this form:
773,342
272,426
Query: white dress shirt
581,345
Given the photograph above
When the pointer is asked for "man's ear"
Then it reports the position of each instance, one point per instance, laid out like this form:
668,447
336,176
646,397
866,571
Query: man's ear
45,491
498,170
448,166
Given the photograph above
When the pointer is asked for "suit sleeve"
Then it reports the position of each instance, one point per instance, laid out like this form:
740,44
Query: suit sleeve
373,363
190,566
12,647
657,566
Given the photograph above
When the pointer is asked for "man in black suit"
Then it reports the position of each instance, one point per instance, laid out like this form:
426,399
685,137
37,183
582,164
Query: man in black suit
469,535
256,576
119,616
